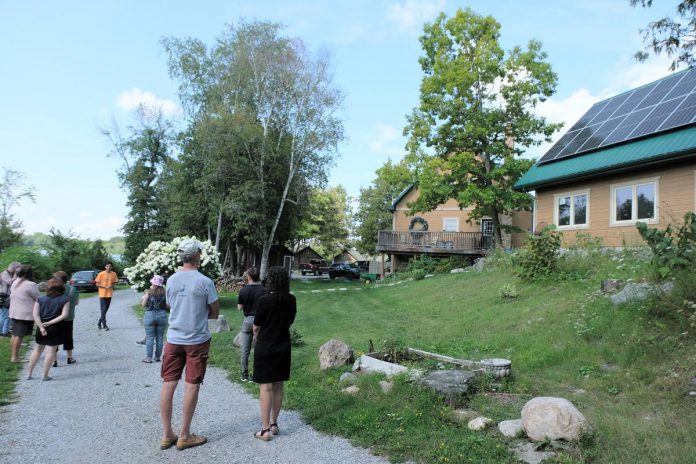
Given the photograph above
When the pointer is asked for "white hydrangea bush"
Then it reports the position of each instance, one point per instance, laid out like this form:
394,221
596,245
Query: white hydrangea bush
161,258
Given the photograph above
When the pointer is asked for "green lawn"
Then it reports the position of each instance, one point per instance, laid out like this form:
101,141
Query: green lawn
628,372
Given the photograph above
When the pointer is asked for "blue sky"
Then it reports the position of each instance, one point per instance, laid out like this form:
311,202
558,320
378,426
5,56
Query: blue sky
71,67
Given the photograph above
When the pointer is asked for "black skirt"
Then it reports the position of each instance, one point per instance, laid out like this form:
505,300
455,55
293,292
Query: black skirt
55,335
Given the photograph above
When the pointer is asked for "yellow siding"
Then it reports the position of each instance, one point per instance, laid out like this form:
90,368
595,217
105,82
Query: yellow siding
676,196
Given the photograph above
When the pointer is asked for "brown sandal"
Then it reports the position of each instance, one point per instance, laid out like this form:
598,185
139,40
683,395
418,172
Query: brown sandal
274,426
263,434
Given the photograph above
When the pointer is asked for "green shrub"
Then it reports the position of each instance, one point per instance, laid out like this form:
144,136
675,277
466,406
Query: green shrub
672,250
418,274
509,292
540,256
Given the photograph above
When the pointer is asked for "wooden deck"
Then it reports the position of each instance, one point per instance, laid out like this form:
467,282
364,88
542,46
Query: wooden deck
436,243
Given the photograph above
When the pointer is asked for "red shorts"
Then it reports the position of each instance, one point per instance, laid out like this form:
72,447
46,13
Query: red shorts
193,357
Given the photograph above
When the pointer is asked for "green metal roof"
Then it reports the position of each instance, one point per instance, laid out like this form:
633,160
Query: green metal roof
649,150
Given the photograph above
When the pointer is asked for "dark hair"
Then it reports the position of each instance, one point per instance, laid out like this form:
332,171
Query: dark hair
26,272
62,276
108,263
253,274
155,290
278,282
55,287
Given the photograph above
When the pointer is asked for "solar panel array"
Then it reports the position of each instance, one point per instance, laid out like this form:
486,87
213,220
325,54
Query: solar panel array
659,106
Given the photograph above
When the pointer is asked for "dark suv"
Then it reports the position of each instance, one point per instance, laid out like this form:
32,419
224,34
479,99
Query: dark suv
84,280
347,270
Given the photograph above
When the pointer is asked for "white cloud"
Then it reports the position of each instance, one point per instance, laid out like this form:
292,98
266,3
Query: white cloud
131,99
412,14
384,142
631,74
104,229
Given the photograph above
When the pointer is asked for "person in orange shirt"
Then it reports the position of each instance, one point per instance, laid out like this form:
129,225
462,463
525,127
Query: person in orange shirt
106,280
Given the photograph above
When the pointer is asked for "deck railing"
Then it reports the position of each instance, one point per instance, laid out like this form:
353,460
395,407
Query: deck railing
433,242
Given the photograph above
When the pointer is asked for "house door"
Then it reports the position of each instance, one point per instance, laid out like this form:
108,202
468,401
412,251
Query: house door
287,263
487,232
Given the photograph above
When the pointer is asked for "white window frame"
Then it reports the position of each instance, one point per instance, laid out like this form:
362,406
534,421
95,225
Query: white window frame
572,194
634,202
444,223
483,231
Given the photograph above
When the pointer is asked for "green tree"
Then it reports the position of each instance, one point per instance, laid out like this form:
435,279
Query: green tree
373,213
144,154
674,36
326,223
266,105
12,191
475,101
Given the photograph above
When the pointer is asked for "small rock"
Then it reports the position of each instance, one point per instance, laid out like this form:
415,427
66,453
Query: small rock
457,270
352,390
693,381
347,377
692,393
611,285
386,386
464,415
578,391
480,423
511,428
528,453
218,325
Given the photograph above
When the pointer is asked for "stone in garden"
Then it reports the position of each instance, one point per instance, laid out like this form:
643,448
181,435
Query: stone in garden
527,452
334,353
347,377
497,367
480,423
371,365
450,384
554,419
640,291
457,270
511,428
464,415
218,325
352,390
479,265
611,285
237,340
386,386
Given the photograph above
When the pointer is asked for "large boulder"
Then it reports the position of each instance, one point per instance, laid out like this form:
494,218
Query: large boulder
334,353
554,419
640,291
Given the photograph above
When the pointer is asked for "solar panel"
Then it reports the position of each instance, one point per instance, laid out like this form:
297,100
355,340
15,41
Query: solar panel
655,107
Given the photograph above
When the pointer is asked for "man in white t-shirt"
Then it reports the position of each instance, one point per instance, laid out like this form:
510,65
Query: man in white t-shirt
193,300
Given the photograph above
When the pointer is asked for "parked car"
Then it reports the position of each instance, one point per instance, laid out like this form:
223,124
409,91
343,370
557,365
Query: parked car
348,270
84,280
315,267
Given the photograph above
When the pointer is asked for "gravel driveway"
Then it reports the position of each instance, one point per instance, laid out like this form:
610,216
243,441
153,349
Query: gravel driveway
105,409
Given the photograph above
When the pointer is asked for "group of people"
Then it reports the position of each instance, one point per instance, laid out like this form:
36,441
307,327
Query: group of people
192,300
52,314
184,306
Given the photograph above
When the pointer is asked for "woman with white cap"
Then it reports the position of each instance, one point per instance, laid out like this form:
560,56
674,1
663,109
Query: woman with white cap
155,320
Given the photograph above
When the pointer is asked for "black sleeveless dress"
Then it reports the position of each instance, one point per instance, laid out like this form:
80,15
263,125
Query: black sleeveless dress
272,351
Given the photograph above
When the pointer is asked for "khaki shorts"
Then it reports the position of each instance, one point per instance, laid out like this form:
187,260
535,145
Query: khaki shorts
193,357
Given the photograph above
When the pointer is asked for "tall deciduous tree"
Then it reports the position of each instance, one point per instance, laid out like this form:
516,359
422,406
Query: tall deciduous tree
674,36
12,191
283,131
373,212
326,224
475,100
144,153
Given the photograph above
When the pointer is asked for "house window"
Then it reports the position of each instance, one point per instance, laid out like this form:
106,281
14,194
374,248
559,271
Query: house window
487,227
571,209
450,225
634,201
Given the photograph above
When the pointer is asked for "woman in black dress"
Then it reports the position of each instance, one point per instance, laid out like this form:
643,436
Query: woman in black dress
49,312
274,315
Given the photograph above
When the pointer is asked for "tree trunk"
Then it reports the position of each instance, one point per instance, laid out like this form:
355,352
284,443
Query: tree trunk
218,231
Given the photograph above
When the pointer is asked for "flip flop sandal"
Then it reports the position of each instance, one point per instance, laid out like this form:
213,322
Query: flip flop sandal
263,434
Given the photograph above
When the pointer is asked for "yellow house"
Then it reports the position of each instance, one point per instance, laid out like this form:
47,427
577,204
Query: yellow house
630,158
443,232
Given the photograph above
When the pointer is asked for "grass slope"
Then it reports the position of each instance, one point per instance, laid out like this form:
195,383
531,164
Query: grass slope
627,371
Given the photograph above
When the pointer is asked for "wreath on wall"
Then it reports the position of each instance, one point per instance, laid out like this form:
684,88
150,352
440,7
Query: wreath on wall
418,220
